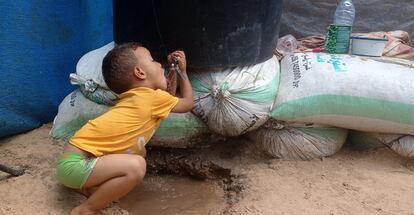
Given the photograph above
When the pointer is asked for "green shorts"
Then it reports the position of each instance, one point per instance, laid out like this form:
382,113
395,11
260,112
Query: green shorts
73,169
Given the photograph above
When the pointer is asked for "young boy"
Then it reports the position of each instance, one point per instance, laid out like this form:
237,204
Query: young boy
105,158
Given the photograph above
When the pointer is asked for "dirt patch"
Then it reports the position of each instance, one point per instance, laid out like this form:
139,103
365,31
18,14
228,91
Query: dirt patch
38,190
220,164
174,195
350,182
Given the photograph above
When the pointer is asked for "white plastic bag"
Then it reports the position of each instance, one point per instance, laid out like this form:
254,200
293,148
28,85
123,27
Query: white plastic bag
236,100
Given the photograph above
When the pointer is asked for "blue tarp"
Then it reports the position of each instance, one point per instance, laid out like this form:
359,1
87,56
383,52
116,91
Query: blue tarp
40,44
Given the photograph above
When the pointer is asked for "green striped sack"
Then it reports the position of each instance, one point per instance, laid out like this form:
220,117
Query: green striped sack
346,91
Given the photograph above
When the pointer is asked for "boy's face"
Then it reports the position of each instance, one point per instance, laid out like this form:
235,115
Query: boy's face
153,69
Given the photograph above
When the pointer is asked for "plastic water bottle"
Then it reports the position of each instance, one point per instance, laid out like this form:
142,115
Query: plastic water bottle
345,13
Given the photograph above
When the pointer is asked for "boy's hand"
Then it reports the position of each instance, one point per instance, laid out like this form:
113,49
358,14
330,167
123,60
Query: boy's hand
185,103
180,57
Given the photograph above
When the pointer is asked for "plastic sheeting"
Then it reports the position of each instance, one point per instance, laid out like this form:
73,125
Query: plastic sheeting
40,43
311,17
400,144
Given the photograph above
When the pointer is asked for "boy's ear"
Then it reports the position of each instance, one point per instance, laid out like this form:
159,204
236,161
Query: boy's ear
139,73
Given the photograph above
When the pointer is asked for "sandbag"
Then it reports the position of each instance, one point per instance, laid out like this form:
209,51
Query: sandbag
90,79
298,142
179,130
74,111
183,130
41,42
89,65
235,100
401,144
94,91
346,91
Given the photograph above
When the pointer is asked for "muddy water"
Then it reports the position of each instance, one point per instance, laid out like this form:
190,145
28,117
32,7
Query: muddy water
174,195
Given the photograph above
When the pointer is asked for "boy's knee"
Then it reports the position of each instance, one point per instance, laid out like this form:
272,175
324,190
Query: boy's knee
138,167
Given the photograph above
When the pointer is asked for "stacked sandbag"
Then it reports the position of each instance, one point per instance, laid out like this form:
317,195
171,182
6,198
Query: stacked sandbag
179,130
74,111
401,144
346,91
298,141
90,100
235,100
90,79
183,130
94,98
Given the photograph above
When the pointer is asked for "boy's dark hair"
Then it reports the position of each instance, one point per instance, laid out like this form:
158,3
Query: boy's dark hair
117,67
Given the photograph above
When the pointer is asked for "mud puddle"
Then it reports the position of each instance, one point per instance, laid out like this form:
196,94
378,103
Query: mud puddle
174,195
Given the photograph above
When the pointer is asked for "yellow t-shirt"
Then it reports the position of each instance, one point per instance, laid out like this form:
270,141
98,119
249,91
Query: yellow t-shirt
127,126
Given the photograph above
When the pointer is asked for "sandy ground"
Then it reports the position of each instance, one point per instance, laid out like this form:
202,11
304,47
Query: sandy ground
350,182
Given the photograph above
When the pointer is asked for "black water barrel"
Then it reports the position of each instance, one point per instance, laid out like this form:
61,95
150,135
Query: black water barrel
213,33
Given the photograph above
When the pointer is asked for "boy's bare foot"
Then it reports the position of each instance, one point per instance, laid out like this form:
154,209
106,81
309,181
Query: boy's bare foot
83,211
